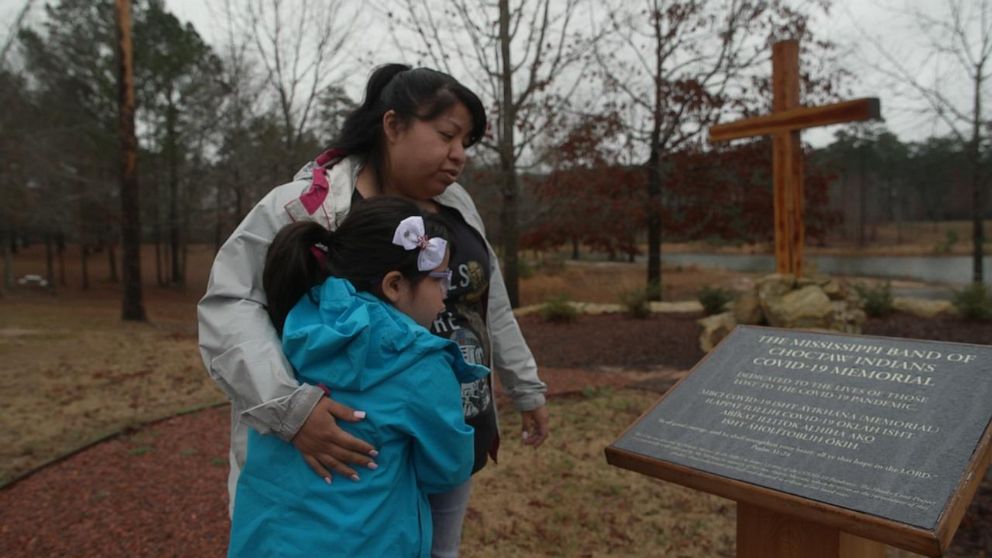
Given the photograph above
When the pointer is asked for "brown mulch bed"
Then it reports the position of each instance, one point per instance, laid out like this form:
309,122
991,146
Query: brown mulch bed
614,340
943,328
161,490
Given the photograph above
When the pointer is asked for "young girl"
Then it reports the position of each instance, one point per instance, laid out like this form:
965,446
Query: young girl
353,307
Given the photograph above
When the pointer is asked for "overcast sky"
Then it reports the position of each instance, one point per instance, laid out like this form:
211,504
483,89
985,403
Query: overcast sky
852,24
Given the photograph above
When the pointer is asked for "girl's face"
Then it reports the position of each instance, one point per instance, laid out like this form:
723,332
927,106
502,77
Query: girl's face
425,157
423,300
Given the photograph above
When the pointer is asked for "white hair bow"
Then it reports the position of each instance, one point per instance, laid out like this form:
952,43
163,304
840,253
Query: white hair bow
410,234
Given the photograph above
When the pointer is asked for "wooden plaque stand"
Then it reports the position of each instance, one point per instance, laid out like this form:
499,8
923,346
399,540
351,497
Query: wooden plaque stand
762,533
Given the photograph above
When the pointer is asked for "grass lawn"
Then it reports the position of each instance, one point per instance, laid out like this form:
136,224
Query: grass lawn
72,373
564,500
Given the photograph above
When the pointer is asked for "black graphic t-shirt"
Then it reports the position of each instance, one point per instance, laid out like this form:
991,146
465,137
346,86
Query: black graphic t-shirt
464,322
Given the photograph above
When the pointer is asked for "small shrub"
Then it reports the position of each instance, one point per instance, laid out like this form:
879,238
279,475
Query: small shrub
947,245
558,309
636,303
974,302
877,300
525,270
714,299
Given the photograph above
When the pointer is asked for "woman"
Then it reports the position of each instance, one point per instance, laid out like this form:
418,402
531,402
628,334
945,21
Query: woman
407,139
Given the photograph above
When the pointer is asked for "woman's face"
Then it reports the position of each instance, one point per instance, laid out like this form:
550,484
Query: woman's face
425,157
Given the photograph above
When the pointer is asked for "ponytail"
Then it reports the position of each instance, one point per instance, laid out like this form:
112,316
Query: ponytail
293,265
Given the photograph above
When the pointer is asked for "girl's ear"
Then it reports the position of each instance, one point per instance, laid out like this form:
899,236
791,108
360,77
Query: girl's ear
392,286
391,126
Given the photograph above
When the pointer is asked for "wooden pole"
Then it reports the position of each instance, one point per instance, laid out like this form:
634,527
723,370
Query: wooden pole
787,162
132,306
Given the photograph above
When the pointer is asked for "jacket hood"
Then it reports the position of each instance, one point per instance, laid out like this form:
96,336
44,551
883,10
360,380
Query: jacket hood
359,340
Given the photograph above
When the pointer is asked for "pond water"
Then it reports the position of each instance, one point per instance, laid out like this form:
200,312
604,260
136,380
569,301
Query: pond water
952,270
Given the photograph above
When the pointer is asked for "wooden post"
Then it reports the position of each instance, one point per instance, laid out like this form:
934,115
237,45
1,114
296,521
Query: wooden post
787,160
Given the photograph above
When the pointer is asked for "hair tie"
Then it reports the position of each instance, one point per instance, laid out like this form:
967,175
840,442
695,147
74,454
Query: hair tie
319,251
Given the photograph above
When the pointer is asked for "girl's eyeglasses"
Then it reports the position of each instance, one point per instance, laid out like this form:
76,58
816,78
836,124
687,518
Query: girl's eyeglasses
445,277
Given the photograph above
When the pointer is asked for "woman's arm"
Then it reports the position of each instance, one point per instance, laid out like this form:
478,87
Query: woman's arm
514,363
243,355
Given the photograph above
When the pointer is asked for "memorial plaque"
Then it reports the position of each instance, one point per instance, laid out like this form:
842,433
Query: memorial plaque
882,427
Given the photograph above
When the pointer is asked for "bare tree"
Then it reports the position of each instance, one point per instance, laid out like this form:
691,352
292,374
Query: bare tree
956,39
674,67
522,59
18,22
243,86
301,46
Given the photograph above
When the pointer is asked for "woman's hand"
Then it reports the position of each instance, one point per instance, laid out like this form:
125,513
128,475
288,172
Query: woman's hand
324,445
535,425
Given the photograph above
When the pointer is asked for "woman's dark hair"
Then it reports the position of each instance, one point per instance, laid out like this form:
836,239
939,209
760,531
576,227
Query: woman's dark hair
419,93
361,250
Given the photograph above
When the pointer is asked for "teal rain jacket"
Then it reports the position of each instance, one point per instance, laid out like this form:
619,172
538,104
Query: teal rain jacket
375,358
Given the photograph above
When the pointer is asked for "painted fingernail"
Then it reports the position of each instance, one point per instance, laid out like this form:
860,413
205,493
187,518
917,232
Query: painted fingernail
526,435
374,453
327,480
359,414
373,466
355,478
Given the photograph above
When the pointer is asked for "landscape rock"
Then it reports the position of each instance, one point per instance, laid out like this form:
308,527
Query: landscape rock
922,307
715,328
807,307
747,309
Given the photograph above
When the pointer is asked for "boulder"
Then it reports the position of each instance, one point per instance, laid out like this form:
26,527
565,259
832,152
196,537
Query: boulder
923,308
847,318
807,307
775,285
834,290
747,309
715,328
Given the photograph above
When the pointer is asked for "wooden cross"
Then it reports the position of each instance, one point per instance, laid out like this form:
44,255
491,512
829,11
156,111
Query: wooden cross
788,117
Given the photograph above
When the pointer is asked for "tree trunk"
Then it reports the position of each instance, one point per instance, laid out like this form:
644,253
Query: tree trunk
654,224
219,221
50,261
157,231
132,305
862,198
977,201
8,260
172,160
60,252
239,204
112,261
184,246
508,213
84,253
